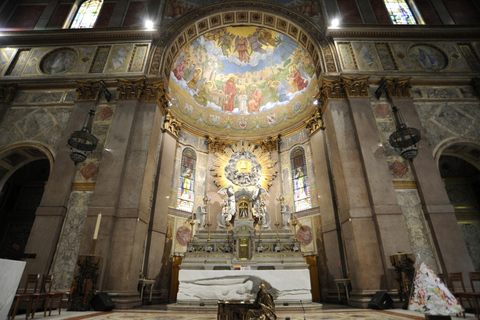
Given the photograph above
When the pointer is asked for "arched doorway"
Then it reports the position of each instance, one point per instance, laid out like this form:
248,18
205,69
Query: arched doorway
24,175
462,183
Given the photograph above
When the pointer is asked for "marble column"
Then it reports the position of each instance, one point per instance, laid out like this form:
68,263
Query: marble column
436,205
360,234
7,93
158,252
387,213
330,228
123,191
51,212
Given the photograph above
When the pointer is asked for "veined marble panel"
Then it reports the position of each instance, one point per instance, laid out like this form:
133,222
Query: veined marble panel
69,243
283,285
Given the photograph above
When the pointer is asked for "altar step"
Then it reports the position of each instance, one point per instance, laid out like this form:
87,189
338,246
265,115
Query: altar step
212,307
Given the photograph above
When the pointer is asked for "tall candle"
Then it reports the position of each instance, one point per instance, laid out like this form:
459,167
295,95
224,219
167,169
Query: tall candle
97,226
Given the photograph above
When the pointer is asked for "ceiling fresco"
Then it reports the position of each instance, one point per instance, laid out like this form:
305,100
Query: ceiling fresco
237,80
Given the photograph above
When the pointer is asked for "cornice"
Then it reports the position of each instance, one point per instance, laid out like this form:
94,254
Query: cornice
75,36
403,32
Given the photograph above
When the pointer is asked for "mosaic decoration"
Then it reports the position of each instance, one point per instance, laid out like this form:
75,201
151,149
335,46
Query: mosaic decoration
87,14
239,79
6,55
301,190
427,57
346,53
59,61
186,189
470,56
400,12
386,56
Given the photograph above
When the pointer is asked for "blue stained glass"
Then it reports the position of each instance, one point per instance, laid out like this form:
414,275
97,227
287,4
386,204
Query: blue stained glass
87,14
400,12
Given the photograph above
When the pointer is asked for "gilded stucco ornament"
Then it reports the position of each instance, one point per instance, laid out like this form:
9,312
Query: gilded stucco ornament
171,124
398,88
130,89
88,90
314,123
216,144
243,165
356,87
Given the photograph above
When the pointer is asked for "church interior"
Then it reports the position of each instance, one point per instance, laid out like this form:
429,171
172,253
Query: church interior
184,153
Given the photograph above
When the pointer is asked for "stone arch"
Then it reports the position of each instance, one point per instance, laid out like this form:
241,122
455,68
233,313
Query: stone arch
17,155
309,35
465,149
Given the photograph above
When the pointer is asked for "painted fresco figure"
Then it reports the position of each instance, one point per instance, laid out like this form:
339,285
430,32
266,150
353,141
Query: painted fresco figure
242,98
179,70
197,75
231,91
241,47
255,99
297,82
204,93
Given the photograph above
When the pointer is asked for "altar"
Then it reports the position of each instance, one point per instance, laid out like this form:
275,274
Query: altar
247,245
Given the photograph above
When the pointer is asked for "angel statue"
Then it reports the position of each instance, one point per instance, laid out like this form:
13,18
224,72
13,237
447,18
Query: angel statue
258,204
286,216
228,206
201,213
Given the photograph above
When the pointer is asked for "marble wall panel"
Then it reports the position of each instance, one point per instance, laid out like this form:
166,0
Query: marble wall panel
119,58
32,66
470,56
19,62
182,232
69,243
386,56
347,56
100,59
6,56
471,235
84,60
367,57
417,229
138,59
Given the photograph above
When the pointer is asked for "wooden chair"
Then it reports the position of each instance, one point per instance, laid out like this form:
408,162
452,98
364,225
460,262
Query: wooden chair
47,295
475,278
456,277
27,295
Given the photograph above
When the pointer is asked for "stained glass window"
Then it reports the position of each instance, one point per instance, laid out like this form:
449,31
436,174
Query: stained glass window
301,193
400,12
87,14
186,193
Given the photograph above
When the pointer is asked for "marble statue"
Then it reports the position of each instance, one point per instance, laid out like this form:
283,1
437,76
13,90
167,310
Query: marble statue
201,214
286,216
228,206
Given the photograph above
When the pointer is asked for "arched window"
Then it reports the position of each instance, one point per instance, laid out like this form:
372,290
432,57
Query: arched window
186,189
87,14
400,12
301,192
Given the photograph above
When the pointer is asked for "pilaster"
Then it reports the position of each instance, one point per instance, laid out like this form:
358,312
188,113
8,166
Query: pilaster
436,205
363,254
387,213
51,212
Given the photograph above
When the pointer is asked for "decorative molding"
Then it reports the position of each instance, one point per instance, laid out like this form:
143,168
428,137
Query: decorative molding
216,144
83,186
404,184
7,92
356,87
397,88
330,89
171,124
130,89
476,86
88,90
314,123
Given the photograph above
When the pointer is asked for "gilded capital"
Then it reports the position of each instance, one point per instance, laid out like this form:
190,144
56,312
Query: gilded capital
88,90
331,89
398,88
7,92
216,144
153,92
356,87
171,124
130,89
314,123
270,144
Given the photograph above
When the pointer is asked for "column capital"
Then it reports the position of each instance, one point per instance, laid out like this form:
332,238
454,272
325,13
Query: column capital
216,144
155,92
171,124
7,92
330,89
314,123
130,89
356,87
397,88
270,144
88,90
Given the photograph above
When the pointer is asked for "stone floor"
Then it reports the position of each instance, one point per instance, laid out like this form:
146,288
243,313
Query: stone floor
160,312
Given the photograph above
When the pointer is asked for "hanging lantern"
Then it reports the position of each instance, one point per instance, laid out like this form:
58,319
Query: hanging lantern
83,142
404,139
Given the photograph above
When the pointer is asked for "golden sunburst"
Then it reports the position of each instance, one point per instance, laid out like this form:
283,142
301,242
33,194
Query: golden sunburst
243,165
